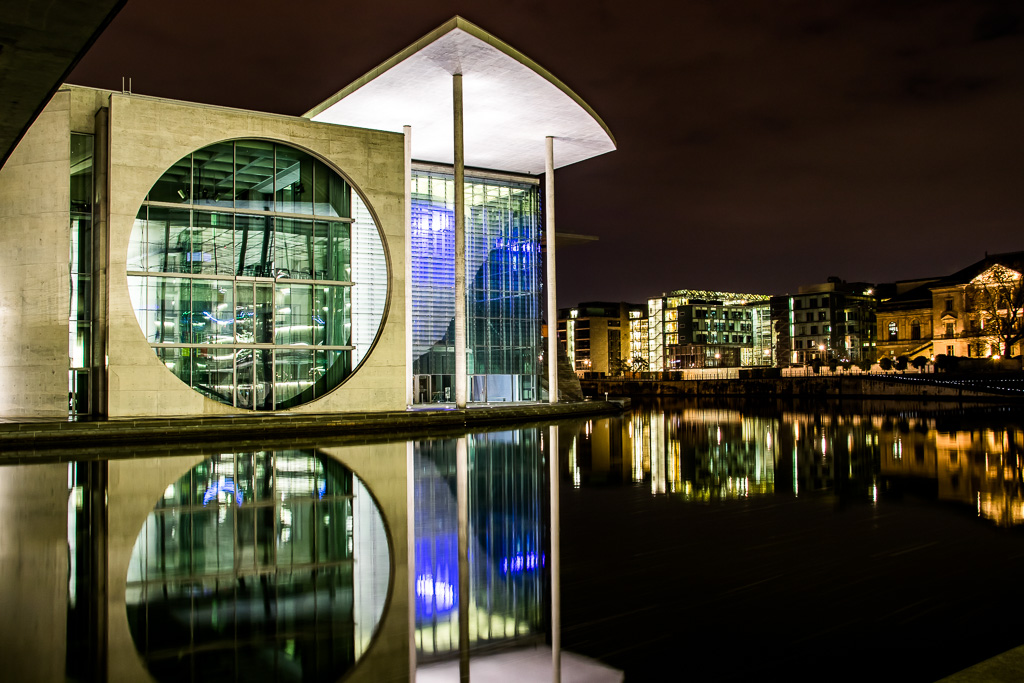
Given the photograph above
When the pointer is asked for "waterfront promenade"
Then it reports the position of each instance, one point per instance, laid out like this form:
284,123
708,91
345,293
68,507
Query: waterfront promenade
28,439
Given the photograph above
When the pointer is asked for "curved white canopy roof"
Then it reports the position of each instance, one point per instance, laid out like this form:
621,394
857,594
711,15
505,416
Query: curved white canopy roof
510,104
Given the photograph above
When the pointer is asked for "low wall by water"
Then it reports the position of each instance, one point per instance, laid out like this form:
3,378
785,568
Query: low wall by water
784,387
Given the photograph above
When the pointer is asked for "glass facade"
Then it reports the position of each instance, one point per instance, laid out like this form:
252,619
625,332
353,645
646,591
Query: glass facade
250,566
257,274
80,261
503,288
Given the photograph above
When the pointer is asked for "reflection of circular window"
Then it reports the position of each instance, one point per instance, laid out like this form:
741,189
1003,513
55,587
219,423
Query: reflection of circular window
257,274
254,566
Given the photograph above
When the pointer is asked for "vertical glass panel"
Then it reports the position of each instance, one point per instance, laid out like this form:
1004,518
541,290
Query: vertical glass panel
137,287
212,243
168,303
294,316
254,376
295,374
169,240
213,319
254,245
174,186
138,244
245,312
212,175
330,193
254,175
294,249
213,372
332,252
263,320
331,316
294,181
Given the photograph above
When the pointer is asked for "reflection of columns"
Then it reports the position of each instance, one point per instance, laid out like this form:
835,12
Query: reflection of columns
556,560
549,224
462,498
408,266
410,546
460,247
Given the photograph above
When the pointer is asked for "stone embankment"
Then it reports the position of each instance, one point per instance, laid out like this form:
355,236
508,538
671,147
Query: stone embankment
855,386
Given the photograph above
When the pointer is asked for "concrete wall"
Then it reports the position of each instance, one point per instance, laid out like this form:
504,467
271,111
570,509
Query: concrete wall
34,274
134,488
147,136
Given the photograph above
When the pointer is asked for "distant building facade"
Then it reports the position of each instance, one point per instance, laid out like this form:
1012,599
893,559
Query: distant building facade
831,320
962,314
704,329
601,337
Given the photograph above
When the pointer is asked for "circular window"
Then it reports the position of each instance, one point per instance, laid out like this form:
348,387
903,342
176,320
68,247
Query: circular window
253,566
257,274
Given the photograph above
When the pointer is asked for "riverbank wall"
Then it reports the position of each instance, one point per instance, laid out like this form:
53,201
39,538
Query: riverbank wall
855,386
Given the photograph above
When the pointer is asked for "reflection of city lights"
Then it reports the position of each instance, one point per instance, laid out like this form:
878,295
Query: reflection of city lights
520,563
440,593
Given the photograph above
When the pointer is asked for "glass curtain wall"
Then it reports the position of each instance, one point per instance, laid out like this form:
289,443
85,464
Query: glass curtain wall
80,258
503,288
240,270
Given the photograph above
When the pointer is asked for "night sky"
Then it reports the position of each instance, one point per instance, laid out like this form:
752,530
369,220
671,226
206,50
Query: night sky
761,145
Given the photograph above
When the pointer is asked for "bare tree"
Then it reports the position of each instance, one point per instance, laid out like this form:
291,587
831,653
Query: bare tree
997,295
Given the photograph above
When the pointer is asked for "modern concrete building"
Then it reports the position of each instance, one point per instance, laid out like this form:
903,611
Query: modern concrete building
393,246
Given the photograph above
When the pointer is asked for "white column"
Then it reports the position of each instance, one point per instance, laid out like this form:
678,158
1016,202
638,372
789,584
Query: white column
556,558
549,223
460,248
409,389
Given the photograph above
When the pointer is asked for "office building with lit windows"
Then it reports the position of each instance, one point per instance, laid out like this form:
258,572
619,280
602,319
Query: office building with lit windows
834,320
393,246
603,338
691,329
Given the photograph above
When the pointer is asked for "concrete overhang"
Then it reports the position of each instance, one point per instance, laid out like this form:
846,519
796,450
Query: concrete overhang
40,43
510,103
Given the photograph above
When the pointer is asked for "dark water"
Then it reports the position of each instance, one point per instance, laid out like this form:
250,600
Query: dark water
803,543
698,542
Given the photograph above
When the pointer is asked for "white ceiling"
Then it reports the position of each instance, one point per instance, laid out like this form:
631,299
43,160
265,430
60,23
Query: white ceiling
510,104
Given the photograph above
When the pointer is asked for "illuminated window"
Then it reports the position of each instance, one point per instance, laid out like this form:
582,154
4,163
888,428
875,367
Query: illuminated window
892,330
242,277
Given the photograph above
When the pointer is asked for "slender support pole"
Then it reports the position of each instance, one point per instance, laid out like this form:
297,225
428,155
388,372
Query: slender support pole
460,248
408,266
462,499
410,549
549,224
556,559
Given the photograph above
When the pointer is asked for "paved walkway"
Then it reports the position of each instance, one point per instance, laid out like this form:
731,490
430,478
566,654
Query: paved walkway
20,435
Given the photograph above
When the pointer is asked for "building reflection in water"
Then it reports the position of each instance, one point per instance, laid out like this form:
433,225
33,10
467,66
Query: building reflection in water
266,565
507,541
705,454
